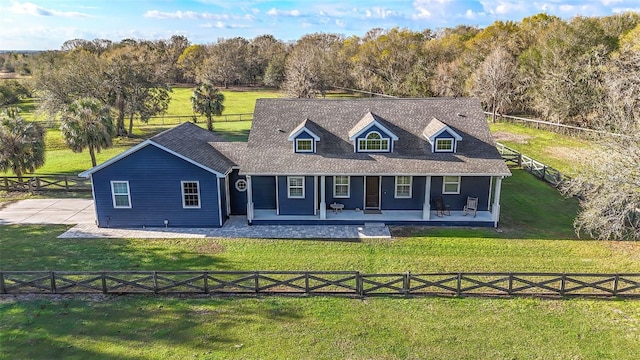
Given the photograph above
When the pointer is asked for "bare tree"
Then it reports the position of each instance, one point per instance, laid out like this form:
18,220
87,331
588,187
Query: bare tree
493,80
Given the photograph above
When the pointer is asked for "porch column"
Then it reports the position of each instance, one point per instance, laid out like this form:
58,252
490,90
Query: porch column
249,200
323,204
426,207
496,202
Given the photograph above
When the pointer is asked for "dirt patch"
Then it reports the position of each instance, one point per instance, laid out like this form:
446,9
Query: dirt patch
211,247
572,154
515,138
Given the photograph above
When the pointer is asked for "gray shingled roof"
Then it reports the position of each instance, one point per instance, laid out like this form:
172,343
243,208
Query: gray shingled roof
270,152
192,142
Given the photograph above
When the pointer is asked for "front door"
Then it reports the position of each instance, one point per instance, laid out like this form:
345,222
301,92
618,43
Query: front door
372,192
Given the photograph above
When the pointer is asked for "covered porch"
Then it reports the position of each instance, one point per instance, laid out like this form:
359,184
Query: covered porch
388,217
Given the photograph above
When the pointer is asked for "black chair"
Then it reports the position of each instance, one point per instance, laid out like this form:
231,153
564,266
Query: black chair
441,208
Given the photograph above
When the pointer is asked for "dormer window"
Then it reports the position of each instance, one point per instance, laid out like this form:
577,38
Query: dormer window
303,138
304,145
444,145
442,138
373,142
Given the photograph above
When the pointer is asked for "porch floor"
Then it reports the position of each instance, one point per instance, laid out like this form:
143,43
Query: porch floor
386,216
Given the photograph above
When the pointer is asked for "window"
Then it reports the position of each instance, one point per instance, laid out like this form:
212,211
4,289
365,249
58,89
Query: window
190,194
121,195
403,186
295,187
241,185
373,142
451,185
304,145
341,187
444,145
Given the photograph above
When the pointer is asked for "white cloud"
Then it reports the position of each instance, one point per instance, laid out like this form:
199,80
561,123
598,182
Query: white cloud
426,9
185,15
275,12
340,23
379,13
28,8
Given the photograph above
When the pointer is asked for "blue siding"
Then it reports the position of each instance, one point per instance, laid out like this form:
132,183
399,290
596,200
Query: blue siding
305,135
389,201
384,134
264,192
356,199
238,198
474,186
296,206
154,179
445,135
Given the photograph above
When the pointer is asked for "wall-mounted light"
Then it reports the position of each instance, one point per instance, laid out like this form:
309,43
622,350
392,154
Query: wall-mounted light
166,222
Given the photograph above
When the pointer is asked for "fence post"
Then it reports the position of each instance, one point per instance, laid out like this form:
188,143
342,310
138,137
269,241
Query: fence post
615,284
155,282
256,285
510,283
104,282
52,276
544,172
306,282
206,282
66,184
563,284
6,184
459,286
359,284
520,160
3,289
406,277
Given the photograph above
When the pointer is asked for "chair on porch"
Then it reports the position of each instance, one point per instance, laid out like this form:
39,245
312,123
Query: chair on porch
441,208
471,207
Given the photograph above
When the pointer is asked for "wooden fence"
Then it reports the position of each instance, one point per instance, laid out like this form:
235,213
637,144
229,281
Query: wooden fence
179,119
551,126
320,283
45,183
538,169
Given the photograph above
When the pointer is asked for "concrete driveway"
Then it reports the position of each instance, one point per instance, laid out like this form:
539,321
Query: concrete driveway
49,211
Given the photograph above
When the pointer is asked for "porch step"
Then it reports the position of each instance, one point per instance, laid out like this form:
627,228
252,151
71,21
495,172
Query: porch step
372,230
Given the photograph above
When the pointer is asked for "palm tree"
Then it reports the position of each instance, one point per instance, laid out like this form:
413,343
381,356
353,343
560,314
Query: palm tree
21,143
207,100
87,124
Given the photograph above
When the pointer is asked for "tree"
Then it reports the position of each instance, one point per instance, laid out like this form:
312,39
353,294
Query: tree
22,145
226,62
87,124
207,100
493,80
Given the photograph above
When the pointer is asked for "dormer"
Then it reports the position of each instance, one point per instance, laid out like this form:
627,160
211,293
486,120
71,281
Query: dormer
370,135
303,138
441,137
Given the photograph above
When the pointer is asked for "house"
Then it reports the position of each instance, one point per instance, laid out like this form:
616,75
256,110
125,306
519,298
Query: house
312,162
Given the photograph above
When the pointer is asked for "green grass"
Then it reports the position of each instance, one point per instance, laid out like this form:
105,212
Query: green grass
559,151
319,328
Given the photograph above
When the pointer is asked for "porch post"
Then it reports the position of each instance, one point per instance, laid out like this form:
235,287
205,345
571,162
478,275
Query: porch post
323,204
249,200
426,207
496,201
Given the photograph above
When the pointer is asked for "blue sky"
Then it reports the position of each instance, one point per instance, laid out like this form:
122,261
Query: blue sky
46,24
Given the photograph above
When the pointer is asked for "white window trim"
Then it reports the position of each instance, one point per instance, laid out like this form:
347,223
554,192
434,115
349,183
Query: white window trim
304,151
451,142
348,184
364,140
113,194
289,187
410,188
184,206
444,183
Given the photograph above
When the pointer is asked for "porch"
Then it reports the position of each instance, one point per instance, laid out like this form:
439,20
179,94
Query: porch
388,217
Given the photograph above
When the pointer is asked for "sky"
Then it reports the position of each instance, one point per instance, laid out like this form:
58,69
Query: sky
47,24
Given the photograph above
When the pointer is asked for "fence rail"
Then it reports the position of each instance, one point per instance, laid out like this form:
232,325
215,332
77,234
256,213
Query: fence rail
557,127
45,183
320,283
538,169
